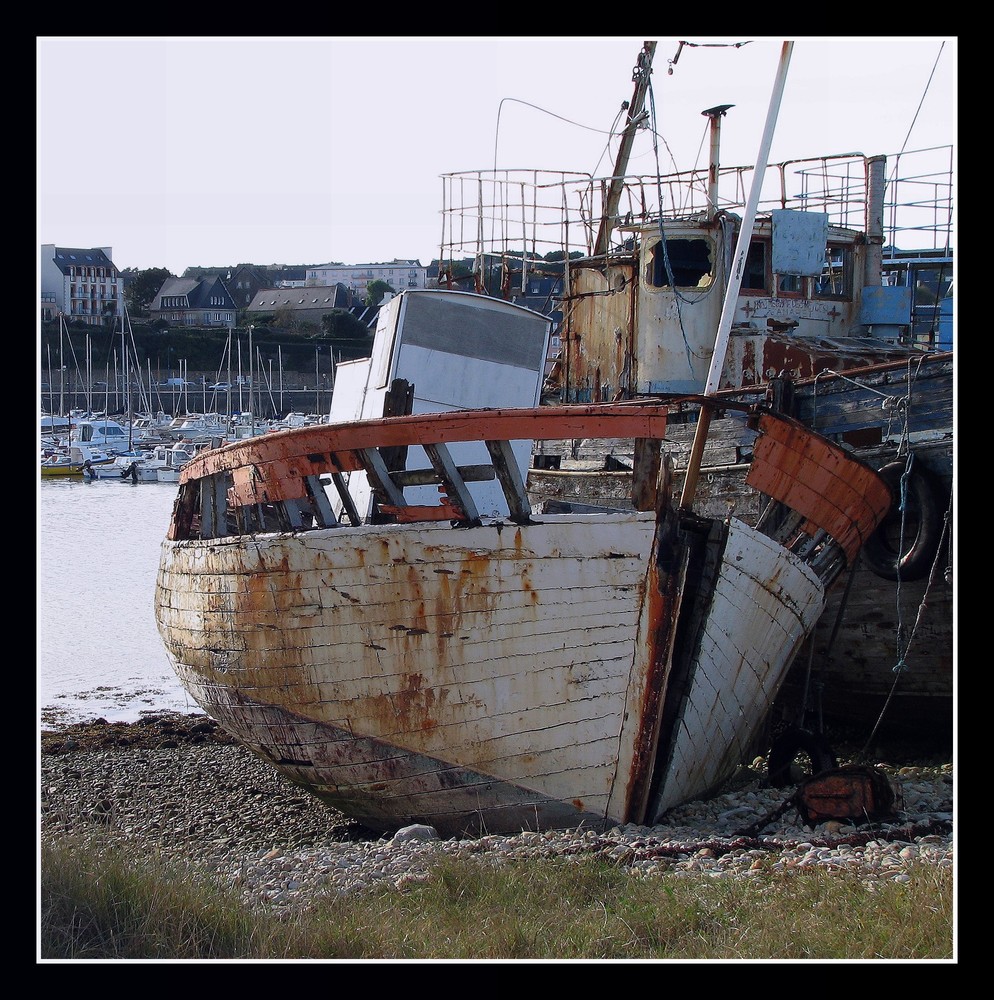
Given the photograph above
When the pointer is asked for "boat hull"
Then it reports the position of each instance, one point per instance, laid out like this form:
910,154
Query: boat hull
883,653
419,661
490,679
53,469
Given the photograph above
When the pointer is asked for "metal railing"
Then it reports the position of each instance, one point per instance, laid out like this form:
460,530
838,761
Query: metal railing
537,212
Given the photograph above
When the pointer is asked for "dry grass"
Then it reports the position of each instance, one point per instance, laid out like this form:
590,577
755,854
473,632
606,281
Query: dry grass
99,902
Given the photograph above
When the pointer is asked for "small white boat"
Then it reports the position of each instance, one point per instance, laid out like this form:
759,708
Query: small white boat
100,433
149,429
130,466
169,460
199,425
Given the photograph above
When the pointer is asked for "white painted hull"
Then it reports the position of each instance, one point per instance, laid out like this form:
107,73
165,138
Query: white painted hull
475,679
752,632
374,607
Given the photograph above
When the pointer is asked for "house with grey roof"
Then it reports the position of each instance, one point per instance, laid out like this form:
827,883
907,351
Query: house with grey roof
189,302
244,281
308,304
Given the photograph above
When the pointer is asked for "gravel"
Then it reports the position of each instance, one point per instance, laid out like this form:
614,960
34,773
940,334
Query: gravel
179,787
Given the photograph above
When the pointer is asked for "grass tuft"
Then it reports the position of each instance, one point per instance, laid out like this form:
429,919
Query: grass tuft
98,901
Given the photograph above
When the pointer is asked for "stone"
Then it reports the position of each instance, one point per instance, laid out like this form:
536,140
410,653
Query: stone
416,831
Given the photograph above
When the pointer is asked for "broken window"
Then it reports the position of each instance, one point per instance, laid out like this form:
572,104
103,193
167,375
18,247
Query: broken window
690,264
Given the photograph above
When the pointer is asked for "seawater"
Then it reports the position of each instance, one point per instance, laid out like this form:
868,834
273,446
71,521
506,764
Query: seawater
99,650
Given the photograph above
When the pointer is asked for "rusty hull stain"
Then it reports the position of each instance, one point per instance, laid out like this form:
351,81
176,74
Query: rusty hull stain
661,600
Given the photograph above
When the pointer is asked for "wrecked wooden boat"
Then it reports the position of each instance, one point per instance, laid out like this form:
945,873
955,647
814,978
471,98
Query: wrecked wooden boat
472,664
377,607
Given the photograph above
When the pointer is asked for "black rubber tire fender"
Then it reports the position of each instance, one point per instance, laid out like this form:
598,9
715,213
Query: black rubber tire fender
786,748
922,527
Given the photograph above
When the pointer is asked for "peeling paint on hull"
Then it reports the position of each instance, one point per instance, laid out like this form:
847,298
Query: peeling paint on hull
522,670
472,692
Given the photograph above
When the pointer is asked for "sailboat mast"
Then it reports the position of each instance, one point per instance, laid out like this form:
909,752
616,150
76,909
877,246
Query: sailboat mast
62,369
131,401
88,355
251,385
735,280
125,359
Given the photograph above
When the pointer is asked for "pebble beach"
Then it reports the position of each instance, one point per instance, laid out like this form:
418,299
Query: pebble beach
226,815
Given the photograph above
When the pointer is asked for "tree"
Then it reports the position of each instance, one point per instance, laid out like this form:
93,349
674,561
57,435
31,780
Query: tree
284,318
340,324
141,287
376,290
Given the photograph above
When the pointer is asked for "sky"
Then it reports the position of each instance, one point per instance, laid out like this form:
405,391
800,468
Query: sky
214,151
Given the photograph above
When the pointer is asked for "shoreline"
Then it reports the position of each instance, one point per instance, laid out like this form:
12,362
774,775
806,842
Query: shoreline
178,786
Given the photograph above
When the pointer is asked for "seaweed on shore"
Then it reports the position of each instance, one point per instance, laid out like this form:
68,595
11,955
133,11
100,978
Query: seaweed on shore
153,731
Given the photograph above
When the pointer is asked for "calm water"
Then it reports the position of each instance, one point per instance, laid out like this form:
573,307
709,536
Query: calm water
99,652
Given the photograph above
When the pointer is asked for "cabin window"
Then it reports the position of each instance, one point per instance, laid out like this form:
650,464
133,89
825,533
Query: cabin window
835,281
690,263
754,275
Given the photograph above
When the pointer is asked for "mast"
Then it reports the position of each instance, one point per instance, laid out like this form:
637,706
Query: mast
89,373
735,281
126,359
62,371
636,114
251,384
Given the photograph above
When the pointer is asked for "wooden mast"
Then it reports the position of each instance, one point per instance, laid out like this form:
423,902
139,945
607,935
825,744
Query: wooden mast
641,73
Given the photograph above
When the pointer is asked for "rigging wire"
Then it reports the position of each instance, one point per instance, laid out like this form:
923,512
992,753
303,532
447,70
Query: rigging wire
609,133
545,111
922,101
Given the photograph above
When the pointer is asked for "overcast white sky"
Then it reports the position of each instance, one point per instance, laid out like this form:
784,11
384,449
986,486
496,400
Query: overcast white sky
212,151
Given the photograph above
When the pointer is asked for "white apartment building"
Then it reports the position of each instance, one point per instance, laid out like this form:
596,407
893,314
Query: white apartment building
398,274
82,284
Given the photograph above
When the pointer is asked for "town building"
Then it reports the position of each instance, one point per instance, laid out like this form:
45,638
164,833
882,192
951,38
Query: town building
398,274
307,304
246,280
80,284
189,302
